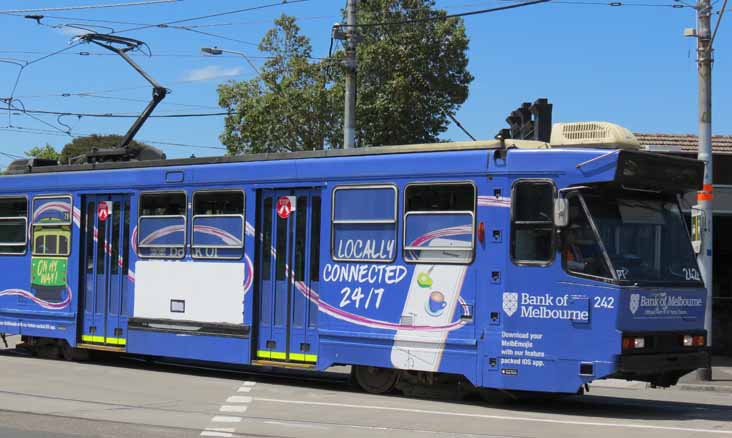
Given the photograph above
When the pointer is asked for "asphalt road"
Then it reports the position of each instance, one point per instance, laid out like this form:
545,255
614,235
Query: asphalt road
108,397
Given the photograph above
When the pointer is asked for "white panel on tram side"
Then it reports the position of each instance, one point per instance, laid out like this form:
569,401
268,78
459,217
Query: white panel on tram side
189,291
428,306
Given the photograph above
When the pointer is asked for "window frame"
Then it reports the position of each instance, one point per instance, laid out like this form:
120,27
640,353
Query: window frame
195,216
334,222
553,249
473,215
600,245
25,227
185,225
69,224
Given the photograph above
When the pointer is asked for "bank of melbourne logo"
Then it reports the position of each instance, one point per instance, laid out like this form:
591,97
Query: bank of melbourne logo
634,303
510,303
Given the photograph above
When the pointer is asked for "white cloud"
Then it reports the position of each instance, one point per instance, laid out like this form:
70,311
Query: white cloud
212,72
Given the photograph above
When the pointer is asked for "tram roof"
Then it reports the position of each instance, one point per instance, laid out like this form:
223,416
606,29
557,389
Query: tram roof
329,153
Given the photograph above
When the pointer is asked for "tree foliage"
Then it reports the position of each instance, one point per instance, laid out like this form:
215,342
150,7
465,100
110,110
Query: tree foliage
82,145
287,106
410,77
47,152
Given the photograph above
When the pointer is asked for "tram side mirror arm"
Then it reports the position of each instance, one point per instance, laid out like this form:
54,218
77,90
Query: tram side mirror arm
561,212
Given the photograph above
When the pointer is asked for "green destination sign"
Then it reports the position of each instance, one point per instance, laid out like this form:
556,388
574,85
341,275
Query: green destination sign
48,271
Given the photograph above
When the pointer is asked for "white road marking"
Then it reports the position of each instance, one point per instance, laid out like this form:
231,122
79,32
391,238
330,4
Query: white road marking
233,408
498,417
239,409
296,424
225,419
238,399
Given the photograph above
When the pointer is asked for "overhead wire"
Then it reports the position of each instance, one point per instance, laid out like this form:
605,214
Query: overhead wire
152,55
112,115
447,16
23,130
676,4
38,119
223,37
12,156
218,14
719,20
195,26
129,99
617,4
75,8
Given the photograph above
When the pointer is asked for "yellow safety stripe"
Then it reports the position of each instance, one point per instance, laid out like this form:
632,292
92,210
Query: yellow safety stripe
264,354
271,354
116,341
304,357
103,340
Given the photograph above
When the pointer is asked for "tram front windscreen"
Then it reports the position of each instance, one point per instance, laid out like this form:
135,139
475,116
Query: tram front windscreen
643,238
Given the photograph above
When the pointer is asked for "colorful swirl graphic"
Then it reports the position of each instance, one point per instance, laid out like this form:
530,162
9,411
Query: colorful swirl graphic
40,302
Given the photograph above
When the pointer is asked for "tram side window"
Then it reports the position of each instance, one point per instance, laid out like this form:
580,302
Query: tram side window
162,225
52,226
13,223
218,224
532,222
439,223
364,223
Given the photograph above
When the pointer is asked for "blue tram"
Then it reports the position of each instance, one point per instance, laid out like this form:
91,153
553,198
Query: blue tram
518,265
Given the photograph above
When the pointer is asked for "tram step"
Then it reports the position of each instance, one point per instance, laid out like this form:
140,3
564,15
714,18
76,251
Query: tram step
274,363
101,347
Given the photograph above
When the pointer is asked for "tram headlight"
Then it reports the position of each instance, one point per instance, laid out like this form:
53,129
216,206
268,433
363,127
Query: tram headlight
688,341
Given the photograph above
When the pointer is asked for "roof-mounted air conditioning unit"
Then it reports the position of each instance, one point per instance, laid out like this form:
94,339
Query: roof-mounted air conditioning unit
593,135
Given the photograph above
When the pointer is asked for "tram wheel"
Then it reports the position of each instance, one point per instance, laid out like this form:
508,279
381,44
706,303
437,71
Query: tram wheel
73,354
375,380
67,352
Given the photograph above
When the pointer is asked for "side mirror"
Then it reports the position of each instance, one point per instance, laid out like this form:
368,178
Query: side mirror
561,212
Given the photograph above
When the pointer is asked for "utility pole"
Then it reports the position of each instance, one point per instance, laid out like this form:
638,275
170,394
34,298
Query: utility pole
349,118
705,197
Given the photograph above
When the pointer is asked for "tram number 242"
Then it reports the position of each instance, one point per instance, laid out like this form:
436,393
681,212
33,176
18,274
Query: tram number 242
604,303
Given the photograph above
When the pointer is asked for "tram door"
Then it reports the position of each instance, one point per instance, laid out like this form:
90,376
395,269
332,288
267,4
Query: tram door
107,294
289,266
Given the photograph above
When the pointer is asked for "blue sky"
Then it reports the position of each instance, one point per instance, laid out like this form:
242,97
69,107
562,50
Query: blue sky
629,65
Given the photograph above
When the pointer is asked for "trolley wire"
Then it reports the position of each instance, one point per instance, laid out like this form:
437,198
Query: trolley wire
76,8
154,55
719,20
447,16
218,14
35,131
112,115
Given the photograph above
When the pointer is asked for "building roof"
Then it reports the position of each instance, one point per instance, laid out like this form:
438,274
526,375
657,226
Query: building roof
683,143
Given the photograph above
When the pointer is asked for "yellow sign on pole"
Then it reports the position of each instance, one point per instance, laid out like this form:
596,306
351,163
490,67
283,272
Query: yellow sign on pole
697,228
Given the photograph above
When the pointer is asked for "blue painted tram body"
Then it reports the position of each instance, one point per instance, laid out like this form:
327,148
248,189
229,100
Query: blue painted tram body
426,259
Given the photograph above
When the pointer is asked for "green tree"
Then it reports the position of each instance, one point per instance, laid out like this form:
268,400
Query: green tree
82,145
46,152
411,77
288,106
